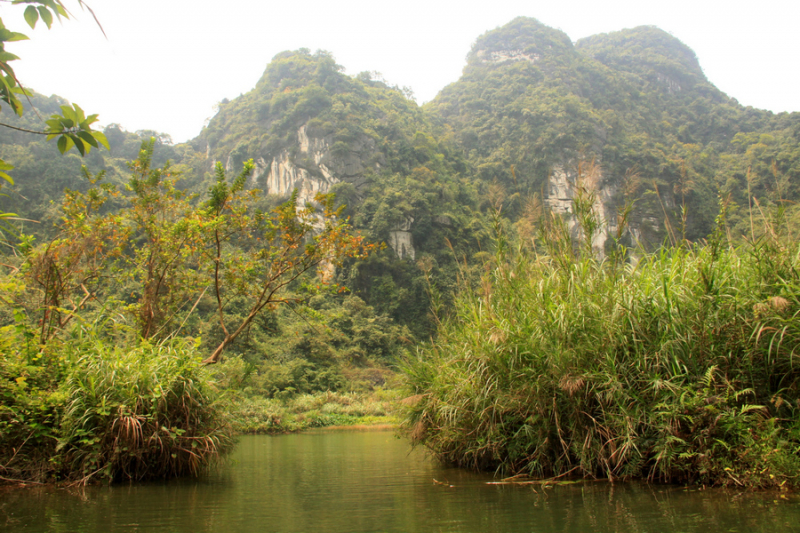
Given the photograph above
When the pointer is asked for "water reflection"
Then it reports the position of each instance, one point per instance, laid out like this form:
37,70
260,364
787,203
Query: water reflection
372,481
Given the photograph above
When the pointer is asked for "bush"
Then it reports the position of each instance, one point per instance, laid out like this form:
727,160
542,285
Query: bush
31,406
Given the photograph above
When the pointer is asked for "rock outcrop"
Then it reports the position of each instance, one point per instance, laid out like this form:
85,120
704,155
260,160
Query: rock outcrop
401,242
559,196
503,56
312,167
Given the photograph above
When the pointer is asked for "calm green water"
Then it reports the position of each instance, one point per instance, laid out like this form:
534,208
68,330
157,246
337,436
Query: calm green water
371,481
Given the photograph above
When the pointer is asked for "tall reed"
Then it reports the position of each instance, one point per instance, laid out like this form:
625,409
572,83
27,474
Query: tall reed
680,367
92,410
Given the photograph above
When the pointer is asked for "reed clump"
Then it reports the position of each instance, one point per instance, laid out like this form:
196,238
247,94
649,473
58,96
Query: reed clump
90,410
682,366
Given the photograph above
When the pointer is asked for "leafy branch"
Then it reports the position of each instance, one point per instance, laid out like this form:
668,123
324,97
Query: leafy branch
71,127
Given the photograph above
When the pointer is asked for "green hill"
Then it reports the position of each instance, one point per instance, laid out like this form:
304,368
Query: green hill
530,107
309,126
629,113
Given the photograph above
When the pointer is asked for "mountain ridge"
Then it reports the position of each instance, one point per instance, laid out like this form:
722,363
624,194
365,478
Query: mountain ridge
528,115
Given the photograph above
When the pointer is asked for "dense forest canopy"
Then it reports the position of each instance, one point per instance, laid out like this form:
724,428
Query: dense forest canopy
636,101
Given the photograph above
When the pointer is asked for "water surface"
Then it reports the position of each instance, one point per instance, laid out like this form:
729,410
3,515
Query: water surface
347,481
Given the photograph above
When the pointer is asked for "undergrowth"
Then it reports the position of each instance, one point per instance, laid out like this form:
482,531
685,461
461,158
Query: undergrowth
260,415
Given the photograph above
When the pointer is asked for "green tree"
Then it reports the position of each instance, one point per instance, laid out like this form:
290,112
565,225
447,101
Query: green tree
167,254
166,231
71,270
256,257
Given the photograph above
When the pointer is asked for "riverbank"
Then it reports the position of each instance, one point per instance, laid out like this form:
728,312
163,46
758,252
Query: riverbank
87,410
104,416
259,415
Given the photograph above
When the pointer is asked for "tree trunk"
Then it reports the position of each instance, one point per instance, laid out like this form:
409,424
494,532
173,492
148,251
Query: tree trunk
214,357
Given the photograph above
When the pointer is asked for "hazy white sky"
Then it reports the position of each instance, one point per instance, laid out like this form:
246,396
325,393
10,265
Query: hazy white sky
167,62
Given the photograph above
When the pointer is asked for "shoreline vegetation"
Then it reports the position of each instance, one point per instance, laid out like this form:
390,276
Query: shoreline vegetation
155,303
87,413
83,410
677,366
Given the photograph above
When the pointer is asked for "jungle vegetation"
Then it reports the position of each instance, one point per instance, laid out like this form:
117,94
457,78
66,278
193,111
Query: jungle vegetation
679,366
667,353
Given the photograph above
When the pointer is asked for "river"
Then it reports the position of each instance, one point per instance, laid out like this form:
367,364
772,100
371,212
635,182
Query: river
371,481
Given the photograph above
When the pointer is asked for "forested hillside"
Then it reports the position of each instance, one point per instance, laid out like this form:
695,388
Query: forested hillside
309,126
229,248
529,113
41,173
530,106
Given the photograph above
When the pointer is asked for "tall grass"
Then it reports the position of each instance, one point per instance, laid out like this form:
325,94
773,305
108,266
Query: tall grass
680,367
142,412
111,412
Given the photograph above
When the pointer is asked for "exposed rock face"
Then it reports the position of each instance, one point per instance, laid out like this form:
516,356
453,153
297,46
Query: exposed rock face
306,171
560,193
285,175
311,166
401,242
503,56
673,86
318,149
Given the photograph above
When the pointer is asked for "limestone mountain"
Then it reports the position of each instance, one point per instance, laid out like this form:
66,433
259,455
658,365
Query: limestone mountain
530,114
310,127
531,107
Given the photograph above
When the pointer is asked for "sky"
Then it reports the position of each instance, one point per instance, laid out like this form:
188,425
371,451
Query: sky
165,64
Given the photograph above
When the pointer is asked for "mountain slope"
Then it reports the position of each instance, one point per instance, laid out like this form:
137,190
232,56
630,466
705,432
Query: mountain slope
308,126
530,107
